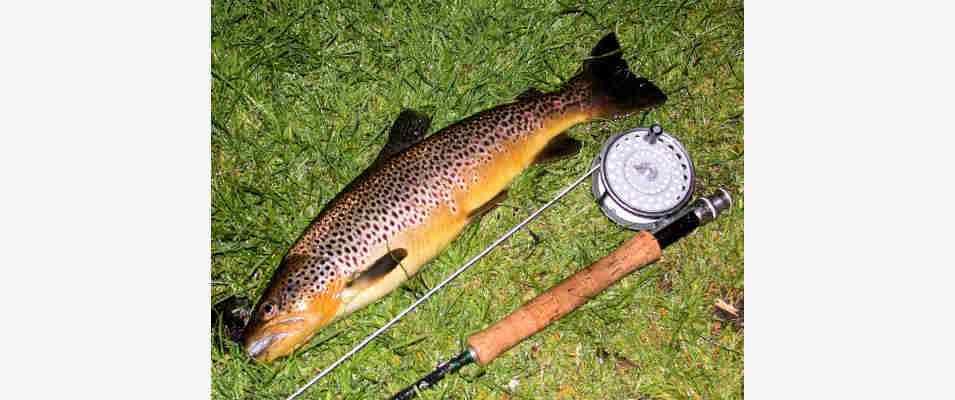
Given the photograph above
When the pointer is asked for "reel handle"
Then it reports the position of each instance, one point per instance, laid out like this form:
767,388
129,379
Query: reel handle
564,298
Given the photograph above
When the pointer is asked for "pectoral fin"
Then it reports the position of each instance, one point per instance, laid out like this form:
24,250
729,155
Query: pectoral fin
375,272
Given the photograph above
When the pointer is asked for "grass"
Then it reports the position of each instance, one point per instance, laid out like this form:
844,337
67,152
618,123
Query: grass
303,93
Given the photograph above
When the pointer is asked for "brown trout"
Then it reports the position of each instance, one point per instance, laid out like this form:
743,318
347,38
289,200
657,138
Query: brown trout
416,198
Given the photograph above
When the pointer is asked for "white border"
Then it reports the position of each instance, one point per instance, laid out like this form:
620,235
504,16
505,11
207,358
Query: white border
848,145
104,211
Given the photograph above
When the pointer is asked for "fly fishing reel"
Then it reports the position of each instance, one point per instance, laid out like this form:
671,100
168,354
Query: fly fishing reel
644,178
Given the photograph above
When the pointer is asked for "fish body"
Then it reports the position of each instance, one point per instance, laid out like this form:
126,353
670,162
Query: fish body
409,206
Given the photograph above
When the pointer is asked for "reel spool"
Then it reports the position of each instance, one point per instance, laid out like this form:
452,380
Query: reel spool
644,179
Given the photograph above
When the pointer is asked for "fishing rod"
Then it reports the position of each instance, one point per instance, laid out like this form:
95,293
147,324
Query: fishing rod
641,250
641,179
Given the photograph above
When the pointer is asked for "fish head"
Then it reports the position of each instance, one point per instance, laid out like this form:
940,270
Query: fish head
292,309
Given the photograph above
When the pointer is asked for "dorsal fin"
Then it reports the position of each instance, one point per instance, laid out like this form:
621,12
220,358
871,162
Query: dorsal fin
530,93
409,128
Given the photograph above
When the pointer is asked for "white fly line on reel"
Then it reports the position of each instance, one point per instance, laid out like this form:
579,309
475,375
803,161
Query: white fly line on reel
645,177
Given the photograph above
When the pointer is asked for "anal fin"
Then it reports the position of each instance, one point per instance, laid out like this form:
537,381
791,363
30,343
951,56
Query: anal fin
559,148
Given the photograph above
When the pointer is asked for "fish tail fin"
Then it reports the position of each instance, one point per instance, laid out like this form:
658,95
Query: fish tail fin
615,91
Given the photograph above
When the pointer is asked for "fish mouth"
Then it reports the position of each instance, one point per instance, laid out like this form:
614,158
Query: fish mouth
259,348
256,348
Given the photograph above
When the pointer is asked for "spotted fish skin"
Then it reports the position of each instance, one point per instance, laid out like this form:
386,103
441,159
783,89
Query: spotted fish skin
418,201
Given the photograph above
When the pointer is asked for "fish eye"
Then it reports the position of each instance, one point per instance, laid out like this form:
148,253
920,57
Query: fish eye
268,309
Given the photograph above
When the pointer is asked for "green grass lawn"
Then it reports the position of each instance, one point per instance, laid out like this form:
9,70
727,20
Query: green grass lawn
302,96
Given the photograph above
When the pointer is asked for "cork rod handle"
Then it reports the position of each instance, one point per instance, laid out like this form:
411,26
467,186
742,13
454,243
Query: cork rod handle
564,298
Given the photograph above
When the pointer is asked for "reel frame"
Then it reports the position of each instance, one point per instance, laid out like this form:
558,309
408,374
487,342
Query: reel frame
626,212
